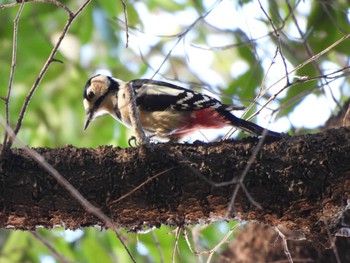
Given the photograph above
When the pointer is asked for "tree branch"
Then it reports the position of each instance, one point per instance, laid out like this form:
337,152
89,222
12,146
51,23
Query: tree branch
300,182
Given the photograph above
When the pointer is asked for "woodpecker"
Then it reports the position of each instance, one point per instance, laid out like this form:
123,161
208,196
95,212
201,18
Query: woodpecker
165,110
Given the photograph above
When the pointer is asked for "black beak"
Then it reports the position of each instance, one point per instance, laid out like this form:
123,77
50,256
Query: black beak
87,121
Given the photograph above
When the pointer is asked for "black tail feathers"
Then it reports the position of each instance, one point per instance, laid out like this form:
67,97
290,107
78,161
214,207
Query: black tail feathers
248,126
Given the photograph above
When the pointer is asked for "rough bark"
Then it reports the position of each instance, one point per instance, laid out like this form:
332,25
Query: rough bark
300,182
342,118
260,243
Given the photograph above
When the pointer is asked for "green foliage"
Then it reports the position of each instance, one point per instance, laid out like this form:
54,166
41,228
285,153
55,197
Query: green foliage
93,245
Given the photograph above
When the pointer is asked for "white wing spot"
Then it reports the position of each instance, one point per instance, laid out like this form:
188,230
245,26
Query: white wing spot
203,101
151,89
189,96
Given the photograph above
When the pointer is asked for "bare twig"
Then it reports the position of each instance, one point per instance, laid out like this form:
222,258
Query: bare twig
273,61
313,58
332,241
308,61
185,235
230,46
55,253
304,93
141,185
142,139
8,5
259,95
216,247
187,164
13,67
285,245
56,3
159,248
90,208
126,23
166,57
184,33
310,53
196,234
45,68
124,245
330,76
244,174
177,235
278,41
60,179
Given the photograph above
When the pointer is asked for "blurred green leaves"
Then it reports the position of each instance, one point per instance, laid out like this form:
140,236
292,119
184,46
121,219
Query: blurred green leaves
95,245
55,115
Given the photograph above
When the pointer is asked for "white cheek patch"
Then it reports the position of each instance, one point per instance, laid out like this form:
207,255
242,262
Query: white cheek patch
86,105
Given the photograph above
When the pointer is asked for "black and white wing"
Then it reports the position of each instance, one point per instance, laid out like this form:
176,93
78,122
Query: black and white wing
153,95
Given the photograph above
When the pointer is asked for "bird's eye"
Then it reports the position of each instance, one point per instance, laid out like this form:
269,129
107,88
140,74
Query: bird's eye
90,95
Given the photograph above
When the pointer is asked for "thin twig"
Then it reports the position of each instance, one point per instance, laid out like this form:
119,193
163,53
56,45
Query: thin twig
124,245
187,164
332,241
159,248
278,41
126,23
216,247
196,234
300,95
141,185
310,53
262,85
178,231
56,3
311,59
315,57
259,95
142,139
13,68
185,235
285,245
184,33
9,5
45,68
233,31
244,174
90,208
311,90
55,253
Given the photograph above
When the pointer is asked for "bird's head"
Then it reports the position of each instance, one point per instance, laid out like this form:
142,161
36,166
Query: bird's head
97,98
